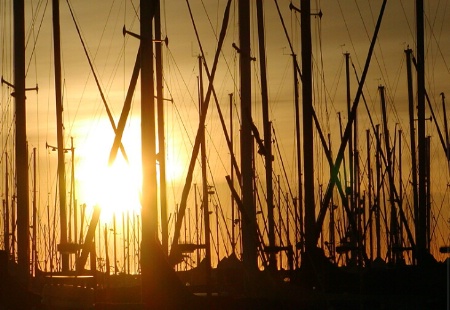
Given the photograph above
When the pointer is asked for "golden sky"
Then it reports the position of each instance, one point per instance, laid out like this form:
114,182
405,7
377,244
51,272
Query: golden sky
346,26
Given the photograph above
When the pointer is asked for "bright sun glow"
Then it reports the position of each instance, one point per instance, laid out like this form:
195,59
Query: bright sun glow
116,188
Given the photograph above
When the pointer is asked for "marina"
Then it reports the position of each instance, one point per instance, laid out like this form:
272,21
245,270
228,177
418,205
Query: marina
226,155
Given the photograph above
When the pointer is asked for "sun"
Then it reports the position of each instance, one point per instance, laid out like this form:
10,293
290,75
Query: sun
116,189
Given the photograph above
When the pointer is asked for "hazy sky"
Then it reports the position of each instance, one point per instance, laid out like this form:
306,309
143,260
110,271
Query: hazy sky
346,26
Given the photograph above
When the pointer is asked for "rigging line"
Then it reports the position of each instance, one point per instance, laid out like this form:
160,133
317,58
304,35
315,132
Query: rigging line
384,73
169,53
287,35
441,138
220,204
366,106
123,46
437,43
429,45
33,21
37,97
224,222
336,82
393,92
348,32
442,26
339,158
116,65
295,20
281,223
121,54
282,163
202,119
278,99
135,10
259,187
297,66
258,238
104,29
97,82
35,40
216,149
221,52
274,141
222,121
289,210
225,244
125,110
411,32
165,16
438,216
259,204
30,27
180,117
3,36
9,134
323,74
209,19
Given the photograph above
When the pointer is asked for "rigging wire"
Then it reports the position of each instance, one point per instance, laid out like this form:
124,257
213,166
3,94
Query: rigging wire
381,65
348,32
214,31
214,185
436,226
108,111
35,36
38,168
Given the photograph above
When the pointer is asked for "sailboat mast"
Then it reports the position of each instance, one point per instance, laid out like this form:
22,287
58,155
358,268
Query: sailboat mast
299,155
34,257
447,141
23,211
422,209
124,245
233,237
389,168
369,194
205,202
378,191
249,237
149,211
412,134
74,197
428,192
267,133
350,139
149,200
351,162
6,209
161,137
115,243
310,217
400,201
59,133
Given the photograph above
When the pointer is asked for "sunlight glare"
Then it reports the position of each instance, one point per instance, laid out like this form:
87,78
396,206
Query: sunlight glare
115,189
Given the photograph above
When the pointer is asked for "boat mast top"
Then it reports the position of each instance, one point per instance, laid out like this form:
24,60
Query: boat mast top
21,143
